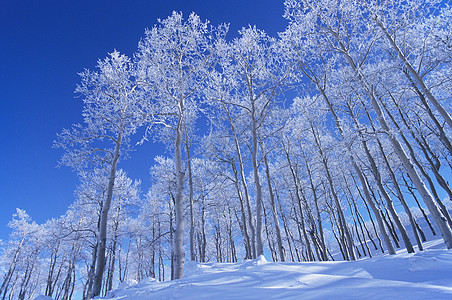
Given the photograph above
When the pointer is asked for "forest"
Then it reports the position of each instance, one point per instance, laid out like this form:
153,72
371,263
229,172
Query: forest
334,137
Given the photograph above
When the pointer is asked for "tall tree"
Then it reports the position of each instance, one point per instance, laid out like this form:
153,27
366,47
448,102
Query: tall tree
174,59
253,74
112,113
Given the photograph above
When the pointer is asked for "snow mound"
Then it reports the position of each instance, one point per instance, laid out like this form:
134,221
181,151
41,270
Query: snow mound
255,262
423,275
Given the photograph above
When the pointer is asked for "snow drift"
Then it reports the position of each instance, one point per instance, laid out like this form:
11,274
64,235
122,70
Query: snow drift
423,275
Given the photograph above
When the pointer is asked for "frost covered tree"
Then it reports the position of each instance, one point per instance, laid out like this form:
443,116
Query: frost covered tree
174,59
82,221
342,28
317,63
112,113
252,75
408,24
19,257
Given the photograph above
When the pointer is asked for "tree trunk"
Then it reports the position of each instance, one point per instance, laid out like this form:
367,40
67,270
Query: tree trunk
246,237
339,240
102,238
324,255
50,279
111,270
179,254
192,217
273,209
410,189
171,229
269,237
300,206
244,184
257,182
357,219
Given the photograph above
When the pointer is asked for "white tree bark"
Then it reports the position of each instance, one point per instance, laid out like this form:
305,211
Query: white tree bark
179,254
192,216
102,238
257,182
282,255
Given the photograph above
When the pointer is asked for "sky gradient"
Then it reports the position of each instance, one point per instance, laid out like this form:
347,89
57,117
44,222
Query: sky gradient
43,45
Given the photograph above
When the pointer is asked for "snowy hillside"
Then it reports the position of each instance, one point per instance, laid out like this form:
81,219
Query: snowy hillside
424,275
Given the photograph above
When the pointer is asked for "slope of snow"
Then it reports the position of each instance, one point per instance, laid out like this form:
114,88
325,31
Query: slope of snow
423,275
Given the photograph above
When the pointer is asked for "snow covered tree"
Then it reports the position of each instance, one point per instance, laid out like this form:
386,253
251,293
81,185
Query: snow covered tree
19,258
112,113
174,59
252,76
342,28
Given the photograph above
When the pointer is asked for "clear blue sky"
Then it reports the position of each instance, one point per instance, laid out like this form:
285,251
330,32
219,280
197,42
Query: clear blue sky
43,45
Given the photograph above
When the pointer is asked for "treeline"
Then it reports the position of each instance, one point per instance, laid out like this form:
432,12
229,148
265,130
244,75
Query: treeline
302,144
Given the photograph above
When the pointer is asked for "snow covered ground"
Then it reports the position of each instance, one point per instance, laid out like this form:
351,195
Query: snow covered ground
423,275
